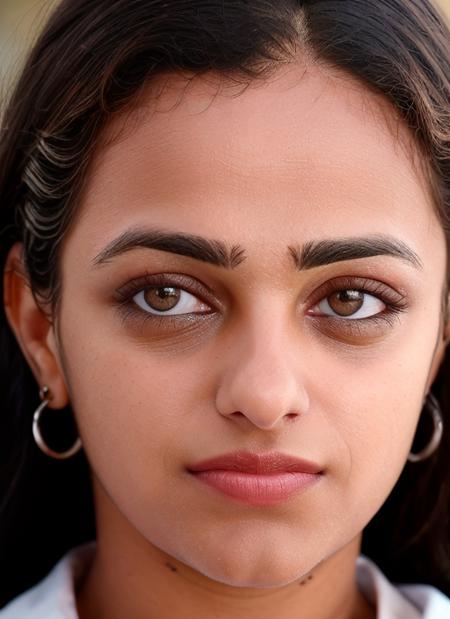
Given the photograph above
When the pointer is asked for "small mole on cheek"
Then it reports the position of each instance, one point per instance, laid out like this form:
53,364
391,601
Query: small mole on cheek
305,580
171,567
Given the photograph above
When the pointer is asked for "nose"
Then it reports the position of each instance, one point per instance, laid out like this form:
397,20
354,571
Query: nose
263,383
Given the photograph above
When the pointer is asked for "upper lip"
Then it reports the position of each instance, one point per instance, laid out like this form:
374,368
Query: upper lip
262,464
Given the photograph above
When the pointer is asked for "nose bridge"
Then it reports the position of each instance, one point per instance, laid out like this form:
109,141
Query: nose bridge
261,380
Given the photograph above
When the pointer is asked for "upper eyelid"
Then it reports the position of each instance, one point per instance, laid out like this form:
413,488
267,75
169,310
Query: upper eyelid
206,295
374,287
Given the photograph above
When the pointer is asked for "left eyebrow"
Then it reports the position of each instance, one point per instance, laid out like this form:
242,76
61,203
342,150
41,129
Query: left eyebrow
319,253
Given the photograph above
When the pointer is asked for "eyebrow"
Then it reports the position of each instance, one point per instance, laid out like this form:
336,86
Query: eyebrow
207,250
311,255
319,253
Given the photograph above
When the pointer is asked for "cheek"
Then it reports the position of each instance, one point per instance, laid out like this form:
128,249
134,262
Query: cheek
374,415
140,415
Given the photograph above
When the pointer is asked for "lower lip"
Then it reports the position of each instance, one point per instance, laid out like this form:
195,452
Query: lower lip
256,489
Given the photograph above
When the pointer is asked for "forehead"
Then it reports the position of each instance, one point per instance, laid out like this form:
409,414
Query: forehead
306,148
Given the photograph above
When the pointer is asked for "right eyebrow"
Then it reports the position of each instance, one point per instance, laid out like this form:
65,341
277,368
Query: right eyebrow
207,250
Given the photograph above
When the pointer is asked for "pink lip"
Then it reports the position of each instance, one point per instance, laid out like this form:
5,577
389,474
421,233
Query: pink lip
257,479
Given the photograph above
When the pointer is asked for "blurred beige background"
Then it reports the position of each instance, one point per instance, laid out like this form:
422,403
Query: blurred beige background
21,19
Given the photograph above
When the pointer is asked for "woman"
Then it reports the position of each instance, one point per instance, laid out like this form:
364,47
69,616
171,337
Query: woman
224,239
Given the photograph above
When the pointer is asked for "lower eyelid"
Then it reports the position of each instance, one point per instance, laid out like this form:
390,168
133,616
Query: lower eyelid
354,332
359,327
171,324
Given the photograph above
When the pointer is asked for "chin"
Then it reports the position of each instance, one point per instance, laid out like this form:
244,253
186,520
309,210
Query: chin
253,572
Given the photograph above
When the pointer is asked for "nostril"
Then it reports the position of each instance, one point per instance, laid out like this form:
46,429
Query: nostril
288,416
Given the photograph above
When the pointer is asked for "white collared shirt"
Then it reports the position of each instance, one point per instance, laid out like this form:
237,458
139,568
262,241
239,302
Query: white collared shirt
54,596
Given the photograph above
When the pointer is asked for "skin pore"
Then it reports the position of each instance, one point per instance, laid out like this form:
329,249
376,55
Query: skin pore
257,361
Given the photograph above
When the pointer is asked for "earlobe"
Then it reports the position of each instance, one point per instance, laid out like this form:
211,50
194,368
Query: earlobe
32,328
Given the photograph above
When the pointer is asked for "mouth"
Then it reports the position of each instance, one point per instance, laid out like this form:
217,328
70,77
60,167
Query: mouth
257,479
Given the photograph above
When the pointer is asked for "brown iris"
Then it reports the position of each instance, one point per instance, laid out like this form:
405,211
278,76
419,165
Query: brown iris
346,302
162,299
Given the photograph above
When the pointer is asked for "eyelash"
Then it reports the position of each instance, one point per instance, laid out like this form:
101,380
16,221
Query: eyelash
394,301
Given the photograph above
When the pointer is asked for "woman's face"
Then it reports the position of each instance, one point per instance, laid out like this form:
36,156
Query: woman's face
326,356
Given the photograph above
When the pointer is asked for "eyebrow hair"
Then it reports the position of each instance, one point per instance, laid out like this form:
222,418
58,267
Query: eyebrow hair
311,255
319,253
193,246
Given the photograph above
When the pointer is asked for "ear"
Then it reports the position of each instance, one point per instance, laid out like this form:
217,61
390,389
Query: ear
33,328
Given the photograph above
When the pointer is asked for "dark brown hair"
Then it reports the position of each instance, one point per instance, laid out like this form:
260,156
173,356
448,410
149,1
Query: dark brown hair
92,61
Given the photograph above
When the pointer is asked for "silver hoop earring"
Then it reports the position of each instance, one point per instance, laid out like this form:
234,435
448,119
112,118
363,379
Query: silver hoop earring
38,436
432,406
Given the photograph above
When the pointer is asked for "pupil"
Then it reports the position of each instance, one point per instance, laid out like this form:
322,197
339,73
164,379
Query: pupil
165,292
349,295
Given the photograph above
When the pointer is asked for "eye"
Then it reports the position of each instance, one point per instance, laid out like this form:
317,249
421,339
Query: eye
168,300
349,304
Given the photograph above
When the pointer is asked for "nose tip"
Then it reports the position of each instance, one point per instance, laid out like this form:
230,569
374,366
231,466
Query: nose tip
263,399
